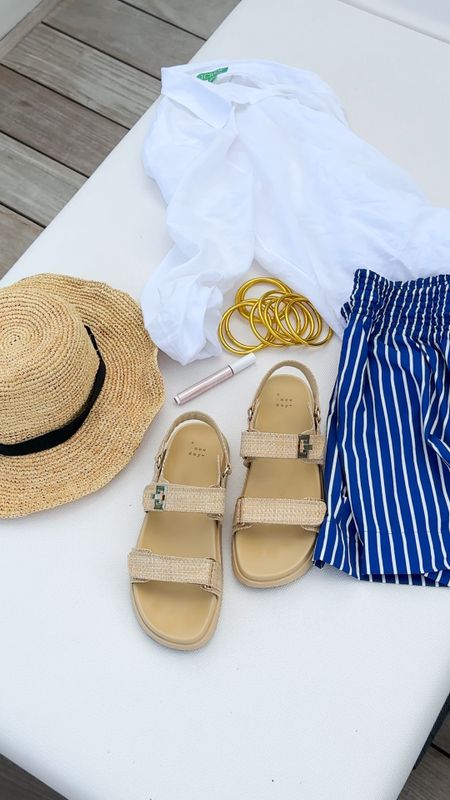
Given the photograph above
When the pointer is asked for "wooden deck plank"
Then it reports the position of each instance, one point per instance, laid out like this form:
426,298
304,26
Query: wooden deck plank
430,780
125,33
16,784
16,235
32,184
82,73
26,25
54,125
442,738
195,16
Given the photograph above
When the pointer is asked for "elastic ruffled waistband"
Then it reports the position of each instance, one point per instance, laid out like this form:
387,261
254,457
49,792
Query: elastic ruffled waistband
417,306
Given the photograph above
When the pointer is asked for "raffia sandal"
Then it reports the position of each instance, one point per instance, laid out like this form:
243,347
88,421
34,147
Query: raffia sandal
279,513
176,567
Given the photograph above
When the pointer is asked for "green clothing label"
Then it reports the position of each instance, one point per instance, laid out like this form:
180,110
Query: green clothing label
211,76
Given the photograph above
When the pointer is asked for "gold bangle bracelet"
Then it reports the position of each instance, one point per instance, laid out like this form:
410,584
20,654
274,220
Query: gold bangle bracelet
279,317
226,336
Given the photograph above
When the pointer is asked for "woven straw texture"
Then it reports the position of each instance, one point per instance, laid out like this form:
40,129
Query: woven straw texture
144,565
261,444
307,512
47,368
197,499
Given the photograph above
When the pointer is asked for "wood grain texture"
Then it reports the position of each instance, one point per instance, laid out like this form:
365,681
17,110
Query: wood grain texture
54,125
442,738
32,184
82,73
125,33
16,784
196,16
430,780
16,235
25,25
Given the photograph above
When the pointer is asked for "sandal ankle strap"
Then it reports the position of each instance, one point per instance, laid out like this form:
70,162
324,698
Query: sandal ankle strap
310,380
201,417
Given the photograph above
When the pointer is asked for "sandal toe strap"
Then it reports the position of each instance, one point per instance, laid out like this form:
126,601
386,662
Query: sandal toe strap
307,512
163,496
144,565
262,444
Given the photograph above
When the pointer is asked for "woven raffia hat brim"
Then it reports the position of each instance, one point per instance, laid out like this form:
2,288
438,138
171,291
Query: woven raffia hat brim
132,393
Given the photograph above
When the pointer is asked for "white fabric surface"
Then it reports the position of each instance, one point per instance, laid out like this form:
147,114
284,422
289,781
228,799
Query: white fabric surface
260,163
322,689
431,17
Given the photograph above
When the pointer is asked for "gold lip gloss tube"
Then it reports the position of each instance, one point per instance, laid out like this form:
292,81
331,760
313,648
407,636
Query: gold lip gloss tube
213,380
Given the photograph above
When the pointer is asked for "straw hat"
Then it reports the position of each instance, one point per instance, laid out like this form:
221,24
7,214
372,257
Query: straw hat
79,385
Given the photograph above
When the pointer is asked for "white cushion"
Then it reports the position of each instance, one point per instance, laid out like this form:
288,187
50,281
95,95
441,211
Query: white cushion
431,17
326,688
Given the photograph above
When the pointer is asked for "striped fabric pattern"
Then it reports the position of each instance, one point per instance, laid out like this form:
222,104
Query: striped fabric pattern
387,467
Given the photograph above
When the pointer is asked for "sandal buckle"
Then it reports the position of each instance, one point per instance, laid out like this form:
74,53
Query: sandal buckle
304,445
226,471
159,497
160,458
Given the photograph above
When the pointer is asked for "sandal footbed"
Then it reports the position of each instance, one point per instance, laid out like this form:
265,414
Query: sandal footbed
180,615
272,555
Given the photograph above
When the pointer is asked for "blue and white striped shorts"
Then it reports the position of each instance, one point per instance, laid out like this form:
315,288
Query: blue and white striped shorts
387,467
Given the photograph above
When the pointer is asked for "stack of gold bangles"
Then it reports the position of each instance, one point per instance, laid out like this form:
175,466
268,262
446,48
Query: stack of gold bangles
278,318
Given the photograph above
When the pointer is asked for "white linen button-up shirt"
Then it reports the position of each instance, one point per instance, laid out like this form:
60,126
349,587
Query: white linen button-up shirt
255,160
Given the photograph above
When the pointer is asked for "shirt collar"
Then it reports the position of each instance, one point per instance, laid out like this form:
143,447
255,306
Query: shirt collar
213,100
182,85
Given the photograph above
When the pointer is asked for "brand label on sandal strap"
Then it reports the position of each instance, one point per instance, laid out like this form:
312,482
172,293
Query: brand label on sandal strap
304,446
159,497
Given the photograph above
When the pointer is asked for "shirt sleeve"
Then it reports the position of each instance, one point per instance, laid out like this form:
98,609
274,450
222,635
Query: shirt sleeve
201,174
